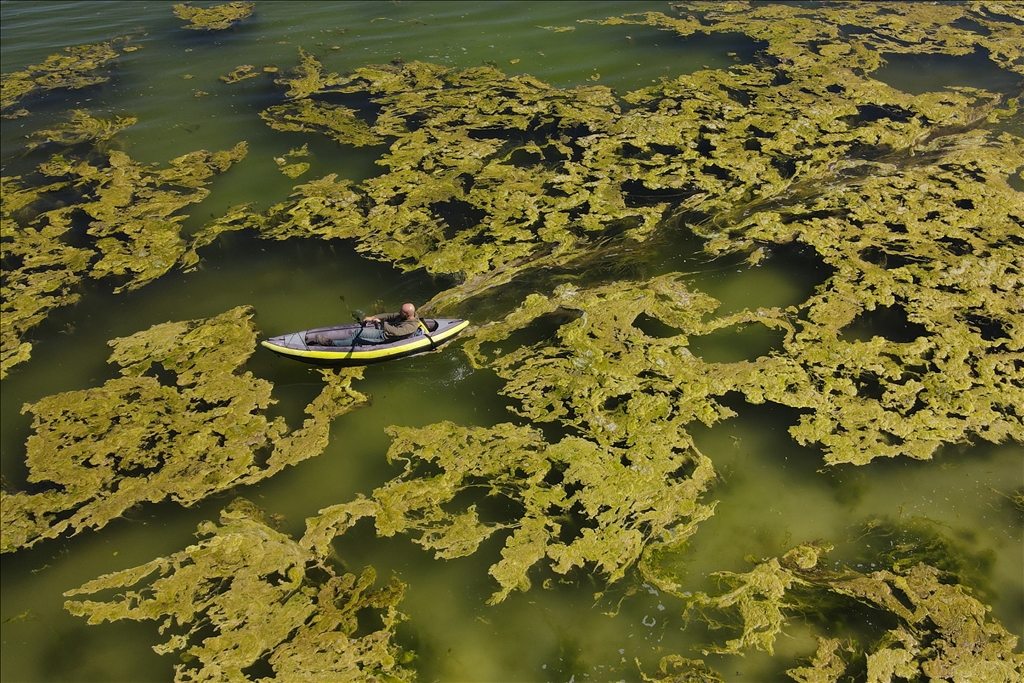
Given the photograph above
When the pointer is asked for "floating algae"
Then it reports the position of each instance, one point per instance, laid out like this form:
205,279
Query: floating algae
71,71
903,238
677,669
828,663
80,129
97,452
130,212
620,488
957,376
607,505
854,34
939,630
133,207
215,18
490,176
248,595
240,73
605,376
306,115
39,270
296,169
452,151
901,545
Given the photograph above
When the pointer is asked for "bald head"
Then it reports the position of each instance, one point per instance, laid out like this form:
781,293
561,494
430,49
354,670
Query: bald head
408,311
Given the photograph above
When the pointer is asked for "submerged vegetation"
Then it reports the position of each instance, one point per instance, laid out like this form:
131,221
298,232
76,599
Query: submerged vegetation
906,200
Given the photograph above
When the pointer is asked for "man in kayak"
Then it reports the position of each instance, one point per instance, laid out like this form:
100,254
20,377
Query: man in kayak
392,327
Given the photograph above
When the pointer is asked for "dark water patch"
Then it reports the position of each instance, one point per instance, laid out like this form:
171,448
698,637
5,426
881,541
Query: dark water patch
522,158
785,166
989,328
851,30
888,322
965,24
1016,180
921,73
655,328
737,344
956,246
262,670
637,194
869,113
772,421
700,50
879,256
365,106
458,216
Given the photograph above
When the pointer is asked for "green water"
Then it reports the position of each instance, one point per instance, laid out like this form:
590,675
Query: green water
772,492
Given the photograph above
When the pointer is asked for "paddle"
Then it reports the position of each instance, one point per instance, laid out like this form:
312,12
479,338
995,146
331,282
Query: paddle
423,326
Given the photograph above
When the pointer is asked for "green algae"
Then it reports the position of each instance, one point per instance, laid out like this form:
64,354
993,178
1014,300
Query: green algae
40,270
491,176
134,208
129,209
82,128
583,520
901,545
437,115
940,630
905,245
97,452
325,208
245,595
308,116
917,227
856,35
215,18
604,375
677,669
293,170
549,174
72,71
830,661
626,481
747,160
240,73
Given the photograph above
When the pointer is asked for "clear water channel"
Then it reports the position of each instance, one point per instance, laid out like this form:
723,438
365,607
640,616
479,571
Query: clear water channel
772,492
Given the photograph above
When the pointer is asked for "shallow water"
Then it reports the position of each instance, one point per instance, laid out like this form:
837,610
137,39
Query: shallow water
772,492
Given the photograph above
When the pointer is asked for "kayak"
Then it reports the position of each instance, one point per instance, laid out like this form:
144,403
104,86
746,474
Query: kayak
301,345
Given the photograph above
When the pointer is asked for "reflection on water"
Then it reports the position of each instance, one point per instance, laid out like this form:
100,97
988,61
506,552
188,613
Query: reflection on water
772,492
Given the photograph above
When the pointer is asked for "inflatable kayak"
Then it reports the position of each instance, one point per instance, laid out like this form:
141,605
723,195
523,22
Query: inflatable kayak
302,345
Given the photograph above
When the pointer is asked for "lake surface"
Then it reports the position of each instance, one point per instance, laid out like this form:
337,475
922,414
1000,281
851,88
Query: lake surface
772,492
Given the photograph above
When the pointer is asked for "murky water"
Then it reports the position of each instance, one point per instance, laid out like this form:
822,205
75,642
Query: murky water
773,493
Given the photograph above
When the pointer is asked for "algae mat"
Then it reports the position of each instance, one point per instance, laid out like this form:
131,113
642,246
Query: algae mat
742,399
